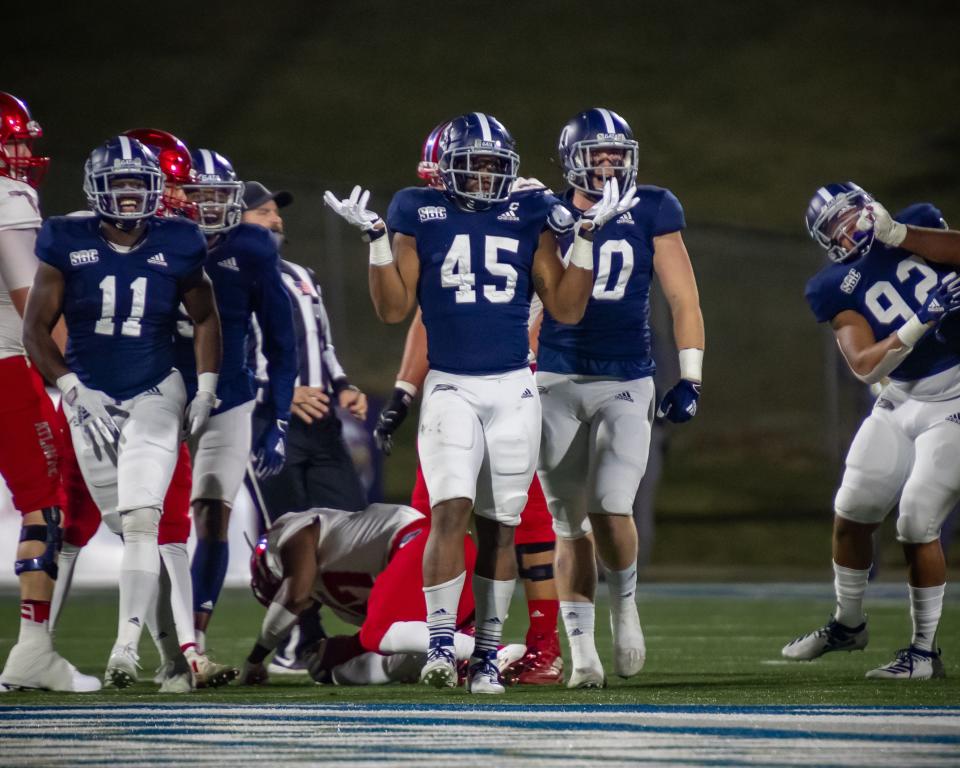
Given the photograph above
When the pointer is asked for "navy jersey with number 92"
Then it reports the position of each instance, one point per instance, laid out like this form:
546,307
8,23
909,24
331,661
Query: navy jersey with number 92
121,308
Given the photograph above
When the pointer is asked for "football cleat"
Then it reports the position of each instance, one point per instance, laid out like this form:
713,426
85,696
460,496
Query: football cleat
538,666
629,647
285,665
29,666
178,682
911,664
207,673
440,670
483,675
834,636
164,671
122,666
590,676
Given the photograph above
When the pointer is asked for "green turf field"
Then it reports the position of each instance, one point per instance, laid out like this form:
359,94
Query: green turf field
707,649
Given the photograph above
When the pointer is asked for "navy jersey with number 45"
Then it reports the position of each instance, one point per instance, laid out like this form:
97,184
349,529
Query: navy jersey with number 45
475,285
121,308
244,267
887,286
613,338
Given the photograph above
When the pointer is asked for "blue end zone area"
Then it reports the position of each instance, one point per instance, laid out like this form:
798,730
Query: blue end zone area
375,734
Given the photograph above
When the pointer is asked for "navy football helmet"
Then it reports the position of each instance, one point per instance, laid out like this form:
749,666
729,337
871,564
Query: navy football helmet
478,160
215,191
597,133
123,182
831,220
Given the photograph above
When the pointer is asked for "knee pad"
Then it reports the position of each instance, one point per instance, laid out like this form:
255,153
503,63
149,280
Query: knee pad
857,502
565,529
922,511
140,524
542,572
51,535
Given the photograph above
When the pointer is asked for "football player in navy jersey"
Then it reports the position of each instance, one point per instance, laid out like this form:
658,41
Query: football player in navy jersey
883,302
473,254
596,386
243,264
118,278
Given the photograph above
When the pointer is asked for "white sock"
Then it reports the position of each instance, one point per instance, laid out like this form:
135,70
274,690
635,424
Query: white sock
492,601
66,563
578,620
160,621
442,603
926,605
177,563
624,617
139,572
33,632
850,584
414,637
201,638
365,669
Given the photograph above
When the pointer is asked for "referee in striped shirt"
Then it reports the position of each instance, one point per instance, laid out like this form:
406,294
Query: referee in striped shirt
318,471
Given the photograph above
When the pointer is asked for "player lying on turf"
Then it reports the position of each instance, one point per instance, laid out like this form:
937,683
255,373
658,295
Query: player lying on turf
883,303
365,567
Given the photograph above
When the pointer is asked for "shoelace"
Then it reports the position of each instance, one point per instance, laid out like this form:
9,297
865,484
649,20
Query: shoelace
441,652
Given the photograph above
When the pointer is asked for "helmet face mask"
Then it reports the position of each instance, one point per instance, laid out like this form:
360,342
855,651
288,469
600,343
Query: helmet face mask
123,182
18,132
214,193
477,163
832,219
263,581
595,146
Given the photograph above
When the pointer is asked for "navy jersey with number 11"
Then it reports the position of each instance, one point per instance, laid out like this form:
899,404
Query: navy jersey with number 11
475,285
121,308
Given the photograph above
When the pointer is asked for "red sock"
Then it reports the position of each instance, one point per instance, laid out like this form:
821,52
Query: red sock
37,611
543,622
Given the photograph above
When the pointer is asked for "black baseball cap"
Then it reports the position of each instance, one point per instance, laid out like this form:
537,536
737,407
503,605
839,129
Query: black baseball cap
255,195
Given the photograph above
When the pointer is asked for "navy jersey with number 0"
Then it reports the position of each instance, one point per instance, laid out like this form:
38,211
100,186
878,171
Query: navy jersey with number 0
613,338
121,308
475,285
887,286
244,267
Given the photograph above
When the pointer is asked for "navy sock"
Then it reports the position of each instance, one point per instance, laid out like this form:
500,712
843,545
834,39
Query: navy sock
208,570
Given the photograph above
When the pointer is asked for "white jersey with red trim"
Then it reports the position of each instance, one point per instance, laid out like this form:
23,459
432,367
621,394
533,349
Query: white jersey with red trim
19,221
353,549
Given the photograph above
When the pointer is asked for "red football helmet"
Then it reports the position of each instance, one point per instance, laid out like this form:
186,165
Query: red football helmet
174,158
263,582
428,167
18,131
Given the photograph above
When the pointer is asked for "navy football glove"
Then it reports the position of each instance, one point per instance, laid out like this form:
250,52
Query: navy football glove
271,452
390,419
680,403
942,300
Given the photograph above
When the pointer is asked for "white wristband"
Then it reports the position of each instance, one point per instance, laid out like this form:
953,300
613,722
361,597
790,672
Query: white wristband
67,382
911,331
691,364
406,386
207,382
582,253
380,253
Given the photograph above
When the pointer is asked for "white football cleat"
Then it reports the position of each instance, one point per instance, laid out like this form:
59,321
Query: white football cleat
588,677
629,647
122,666
164,671
911,664
483,675
208,673
440,671
833,636
509,654
178,682
33,666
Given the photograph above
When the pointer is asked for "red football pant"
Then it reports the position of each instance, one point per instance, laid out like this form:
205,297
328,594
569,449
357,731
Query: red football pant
30,449
397,593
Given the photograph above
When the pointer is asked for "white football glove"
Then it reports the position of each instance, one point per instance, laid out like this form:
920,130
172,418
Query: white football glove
198,411
522,184
611,204
353,209
98,427
889,232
